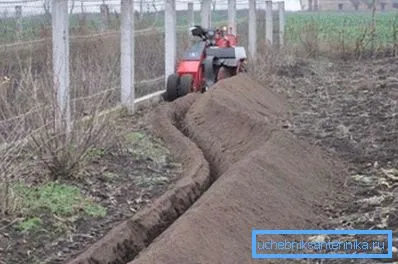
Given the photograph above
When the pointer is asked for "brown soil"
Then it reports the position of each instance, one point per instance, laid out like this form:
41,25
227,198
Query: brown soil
125,242
263,176
350,109
110,179
267,178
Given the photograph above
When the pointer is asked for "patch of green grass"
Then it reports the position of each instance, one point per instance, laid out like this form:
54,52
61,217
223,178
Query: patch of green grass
59,199
350,26
30,225
146,146
96,152
135,137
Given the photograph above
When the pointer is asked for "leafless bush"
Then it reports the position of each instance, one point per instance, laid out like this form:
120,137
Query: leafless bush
28,98
270,60
344,47
309,38
63,154
10,166
30,137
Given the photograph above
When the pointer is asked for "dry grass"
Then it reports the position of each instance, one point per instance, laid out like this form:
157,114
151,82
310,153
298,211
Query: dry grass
95,80
27,108
36,145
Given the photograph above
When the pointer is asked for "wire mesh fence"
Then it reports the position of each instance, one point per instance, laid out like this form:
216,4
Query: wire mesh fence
26,56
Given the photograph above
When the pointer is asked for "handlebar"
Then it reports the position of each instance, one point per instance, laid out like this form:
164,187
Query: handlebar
210,36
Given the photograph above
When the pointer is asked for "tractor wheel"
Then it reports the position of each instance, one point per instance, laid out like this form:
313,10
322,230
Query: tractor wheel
223,73
185,85
243,67
173,82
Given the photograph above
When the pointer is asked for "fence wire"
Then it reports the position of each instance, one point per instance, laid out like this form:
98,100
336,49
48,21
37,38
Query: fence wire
94,29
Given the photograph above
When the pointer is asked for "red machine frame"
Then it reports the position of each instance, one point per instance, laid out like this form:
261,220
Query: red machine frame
191,73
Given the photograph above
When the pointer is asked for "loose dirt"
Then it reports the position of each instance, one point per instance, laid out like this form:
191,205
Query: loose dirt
350,109
253,147
123,178
125,241
265,177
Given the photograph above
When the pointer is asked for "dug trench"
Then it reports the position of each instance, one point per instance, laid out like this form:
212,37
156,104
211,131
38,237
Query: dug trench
242,170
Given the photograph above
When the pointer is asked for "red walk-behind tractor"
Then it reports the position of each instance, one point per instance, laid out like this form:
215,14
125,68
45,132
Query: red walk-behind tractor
216,56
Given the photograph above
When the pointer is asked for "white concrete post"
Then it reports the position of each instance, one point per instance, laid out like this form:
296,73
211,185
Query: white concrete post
60,42
191,14
281,7
316,5
232,16
170,41
268,22
141,9
104,16
191,19
205,13
127,55
252,42
18,15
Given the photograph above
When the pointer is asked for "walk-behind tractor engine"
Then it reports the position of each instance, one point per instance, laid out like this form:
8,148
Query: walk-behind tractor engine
209,60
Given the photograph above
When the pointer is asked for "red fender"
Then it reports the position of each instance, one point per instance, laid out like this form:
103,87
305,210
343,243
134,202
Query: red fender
193,68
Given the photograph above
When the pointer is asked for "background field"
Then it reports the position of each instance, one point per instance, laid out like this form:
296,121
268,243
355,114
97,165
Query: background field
342,30
332,25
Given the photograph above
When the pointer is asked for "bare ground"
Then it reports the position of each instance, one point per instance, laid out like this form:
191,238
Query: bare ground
262,176
123,179
349,109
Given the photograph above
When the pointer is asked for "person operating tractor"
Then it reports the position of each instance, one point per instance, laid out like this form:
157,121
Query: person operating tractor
224,38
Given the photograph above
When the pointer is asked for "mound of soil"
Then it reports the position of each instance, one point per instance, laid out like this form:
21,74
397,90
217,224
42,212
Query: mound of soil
124,242
265,177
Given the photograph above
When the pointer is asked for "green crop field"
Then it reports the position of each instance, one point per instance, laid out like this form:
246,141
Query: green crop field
326,27
336,26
